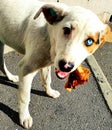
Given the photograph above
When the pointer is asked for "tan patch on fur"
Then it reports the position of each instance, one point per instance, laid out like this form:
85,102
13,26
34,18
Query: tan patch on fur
108,35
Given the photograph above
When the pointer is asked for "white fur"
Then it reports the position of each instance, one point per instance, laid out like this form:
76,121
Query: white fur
43,44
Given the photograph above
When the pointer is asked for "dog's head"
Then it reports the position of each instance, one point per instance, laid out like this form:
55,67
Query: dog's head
75,33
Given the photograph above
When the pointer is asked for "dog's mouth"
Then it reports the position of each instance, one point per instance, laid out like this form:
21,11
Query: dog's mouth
60,74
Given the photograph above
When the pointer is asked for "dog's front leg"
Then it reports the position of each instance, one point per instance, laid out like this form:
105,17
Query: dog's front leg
46,80
24,99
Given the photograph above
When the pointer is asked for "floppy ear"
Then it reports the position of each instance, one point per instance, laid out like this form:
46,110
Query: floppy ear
105,35
52,14
108,34
106,18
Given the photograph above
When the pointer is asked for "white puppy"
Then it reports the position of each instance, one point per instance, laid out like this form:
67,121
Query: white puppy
46,34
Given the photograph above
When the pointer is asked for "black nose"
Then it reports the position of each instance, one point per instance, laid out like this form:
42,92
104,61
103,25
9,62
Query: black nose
65,66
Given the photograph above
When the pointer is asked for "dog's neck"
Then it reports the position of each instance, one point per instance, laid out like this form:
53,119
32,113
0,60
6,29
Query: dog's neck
52,41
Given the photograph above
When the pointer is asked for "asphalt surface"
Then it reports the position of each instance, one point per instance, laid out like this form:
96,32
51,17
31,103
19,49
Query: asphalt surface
104,58
82,109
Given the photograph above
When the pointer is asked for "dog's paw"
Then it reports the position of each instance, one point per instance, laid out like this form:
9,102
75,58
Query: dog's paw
53,93
13,78
26,122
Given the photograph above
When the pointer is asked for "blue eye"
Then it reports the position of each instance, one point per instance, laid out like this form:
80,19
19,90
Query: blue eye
89,42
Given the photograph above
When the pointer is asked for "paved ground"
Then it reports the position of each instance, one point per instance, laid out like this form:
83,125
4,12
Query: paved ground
82,109
104,58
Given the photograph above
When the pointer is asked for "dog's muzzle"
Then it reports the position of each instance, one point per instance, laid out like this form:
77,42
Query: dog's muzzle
64,69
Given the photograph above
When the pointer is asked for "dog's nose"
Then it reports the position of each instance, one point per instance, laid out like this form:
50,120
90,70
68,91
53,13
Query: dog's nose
65,66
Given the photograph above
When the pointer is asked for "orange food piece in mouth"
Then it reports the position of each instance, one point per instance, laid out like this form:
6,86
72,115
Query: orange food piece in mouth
78,77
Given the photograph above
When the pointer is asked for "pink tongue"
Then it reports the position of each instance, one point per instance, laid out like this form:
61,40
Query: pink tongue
61,74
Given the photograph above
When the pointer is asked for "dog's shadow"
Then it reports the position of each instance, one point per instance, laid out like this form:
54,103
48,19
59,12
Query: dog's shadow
7,110
4,80
13,115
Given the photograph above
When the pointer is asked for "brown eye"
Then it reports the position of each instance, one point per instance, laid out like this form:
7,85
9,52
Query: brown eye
67,30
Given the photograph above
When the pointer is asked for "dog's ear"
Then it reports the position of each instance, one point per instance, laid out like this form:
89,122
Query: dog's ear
105,35
52,14
106,18
108,34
